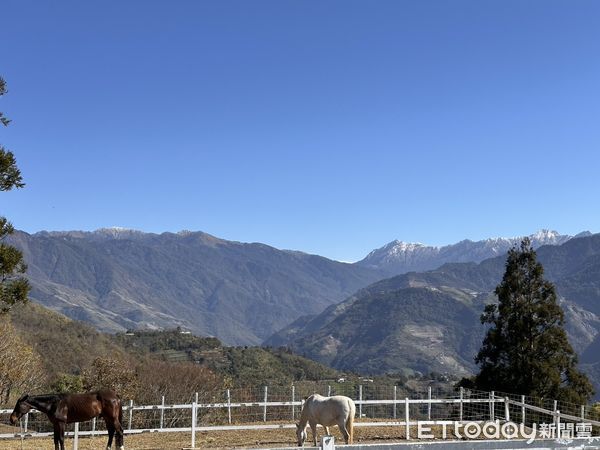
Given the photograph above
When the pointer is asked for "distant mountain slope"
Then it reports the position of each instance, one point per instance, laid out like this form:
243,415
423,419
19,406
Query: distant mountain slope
397,326
399,257
117,279
430,320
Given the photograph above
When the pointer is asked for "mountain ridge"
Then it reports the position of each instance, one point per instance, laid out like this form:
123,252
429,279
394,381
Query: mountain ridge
397,257
239,292
243,293
418,335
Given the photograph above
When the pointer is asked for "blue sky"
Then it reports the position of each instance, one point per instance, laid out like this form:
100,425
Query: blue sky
330,127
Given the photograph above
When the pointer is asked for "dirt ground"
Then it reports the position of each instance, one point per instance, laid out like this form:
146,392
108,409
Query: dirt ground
209,439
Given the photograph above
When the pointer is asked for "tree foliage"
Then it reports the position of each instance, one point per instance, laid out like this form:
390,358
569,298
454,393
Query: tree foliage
14,288
66,346
242,366
113,373
20,366
66,383
526,349
177,381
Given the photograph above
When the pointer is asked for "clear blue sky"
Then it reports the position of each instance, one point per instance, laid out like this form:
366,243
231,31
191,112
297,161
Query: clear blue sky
330,127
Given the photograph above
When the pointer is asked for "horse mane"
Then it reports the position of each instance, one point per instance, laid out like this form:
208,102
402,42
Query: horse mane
42,402
46,397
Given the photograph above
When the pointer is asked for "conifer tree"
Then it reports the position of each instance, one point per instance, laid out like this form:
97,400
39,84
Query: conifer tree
526,349
13,285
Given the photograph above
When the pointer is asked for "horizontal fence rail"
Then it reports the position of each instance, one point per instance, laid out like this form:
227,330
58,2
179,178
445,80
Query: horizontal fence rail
252,409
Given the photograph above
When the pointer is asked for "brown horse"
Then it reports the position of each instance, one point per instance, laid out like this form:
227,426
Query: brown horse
67,408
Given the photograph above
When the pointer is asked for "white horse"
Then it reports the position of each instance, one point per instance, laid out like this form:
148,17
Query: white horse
327,411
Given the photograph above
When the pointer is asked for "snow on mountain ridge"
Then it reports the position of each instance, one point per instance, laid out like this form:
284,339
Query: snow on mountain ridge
541,235
399,257
118,231
108,232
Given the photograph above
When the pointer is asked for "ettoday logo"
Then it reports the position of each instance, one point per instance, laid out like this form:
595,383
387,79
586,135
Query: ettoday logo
507,430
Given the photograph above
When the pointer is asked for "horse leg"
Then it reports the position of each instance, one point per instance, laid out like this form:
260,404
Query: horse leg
313,427
114,428
119,430
59,436
342,427
111,433
56,437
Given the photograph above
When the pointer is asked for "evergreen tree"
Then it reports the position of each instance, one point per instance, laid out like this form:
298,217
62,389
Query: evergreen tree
526,349
13,286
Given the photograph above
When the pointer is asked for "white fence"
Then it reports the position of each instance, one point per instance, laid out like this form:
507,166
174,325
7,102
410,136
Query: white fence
262,413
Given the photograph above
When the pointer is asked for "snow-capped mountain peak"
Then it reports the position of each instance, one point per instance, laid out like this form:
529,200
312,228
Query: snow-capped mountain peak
398,257
401,246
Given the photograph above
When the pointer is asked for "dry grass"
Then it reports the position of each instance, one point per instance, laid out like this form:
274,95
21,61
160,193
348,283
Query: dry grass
209,439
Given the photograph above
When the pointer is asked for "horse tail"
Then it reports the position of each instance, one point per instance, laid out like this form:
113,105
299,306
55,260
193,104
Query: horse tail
120,412
350,422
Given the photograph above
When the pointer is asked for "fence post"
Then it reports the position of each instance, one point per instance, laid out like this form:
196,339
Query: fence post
162,412
76,436
265,406
395,399
558,424
523,409
229,406
94,427
583,413
555,409
460,405
506,411
429,403
360,400
194,412
130,414
26,422
196,397
328,390
407,417
293,400
492,406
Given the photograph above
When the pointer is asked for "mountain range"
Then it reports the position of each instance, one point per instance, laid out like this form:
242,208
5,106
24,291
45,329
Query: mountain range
429,321
242,293
399,257
354,317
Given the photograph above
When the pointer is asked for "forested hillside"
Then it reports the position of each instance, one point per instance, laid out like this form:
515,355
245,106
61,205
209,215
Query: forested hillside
46,351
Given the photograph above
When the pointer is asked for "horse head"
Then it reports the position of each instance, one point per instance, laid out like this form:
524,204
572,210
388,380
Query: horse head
301,434
21,408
